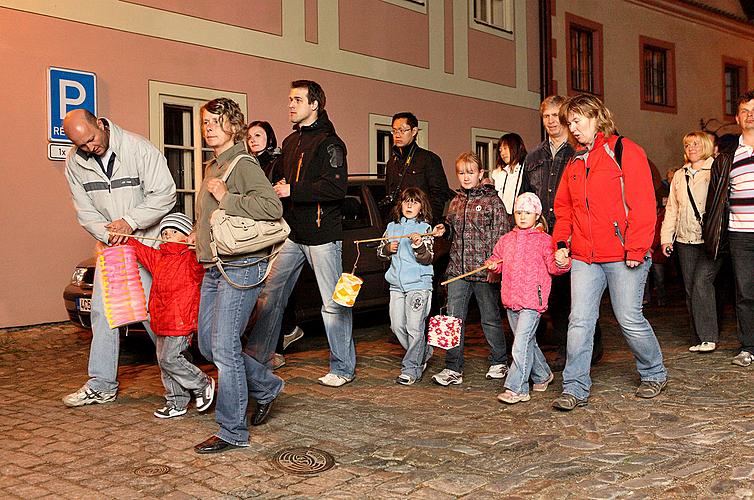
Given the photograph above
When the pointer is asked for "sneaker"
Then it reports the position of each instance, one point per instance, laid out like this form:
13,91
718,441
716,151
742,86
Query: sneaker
703,347
542,387
205,397
511,397
292,337
744,358
88,396
404,379
278,361
650,388
169,411
567,402
333,380
447,377
497,371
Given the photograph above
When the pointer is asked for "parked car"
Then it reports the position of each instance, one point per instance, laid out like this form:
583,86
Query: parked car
361,220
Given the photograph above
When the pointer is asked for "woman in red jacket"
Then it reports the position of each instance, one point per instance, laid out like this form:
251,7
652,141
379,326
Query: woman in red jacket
605,219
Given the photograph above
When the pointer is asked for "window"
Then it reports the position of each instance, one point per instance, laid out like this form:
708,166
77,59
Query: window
584,55
494,16
658,75
485,144
381,141
355,213
734,84
175,129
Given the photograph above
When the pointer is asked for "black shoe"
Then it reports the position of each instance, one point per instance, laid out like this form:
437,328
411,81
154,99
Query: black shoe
215,445
597,352
558,364
261,413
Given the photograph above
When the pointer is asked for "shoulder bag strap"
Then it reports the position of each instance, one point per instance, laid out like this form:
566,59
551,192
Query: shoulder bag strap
232,165
691,199
617,156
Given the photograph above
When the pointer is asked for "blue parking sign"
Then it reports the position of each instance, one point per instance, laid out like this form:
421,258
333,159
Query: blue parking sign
68,89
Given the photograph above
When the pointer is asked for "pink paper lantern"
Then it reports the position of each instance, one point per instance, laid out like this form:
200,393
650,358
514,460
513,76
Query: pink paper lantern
123,292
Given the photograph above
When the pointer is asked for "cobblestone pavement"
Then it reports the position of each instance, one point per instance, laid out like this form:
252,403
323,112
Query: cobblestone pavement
425,441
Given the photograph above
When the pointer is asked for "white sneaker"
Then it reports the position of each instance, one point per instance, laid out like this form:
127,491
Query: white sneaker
512,398
88,396
169,411
205,397
333,380
447,377
292,337
497,371
703,347
743,358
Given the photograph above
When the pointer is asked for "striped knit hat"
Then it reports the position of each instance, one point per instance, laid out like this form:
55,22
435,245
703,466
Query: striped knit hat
178,221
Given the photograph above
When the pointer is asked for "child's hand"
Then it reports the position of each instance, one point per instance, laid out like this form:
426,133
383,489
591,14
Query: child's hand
493,277
566,264
438,230
393,246
491,264
561,257
415,239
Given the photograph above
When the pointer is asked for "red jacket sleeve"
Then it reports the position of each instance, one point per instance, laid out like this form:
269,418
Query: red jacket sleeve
640,200
147,256
563,209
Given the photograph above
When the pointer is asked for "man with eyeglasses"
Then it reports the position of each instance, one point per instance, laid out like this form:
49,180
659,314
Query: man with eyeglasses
412,166
729,222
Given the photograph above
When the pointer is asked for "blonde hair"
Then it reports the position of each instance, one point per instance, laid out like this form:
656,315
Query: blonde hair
469,157
591,107
708,147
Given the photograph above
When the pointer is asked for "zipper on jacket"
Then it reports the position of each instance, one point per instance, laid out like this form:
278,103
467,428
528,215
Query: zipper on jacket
319,215
617,233
539,294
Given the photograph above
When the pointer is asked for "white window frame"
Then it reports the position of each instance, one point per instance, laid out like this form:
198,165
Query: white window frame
161,93
506,30
491,137
415,5
385,124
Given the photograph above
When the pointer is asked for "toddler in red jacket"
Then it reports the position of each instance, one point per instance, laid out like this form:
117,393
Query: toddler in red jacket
526,258
173,312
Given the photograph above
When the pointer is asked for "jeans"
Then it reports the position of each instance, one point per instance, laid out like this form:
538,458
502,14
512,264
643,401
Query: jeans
327,262
488,300
408,316
223,314
699,281
626,286
105,346
528,359
179,376
742,256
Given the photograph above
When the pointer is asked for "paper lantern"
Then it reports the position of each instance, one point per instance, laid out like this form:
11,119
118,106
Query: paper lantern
347,289
444,332
123,292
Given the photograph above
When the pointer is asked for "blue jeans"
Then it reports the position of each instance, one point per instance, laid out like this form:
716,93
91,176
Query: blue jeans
180,377
327,262
105,346
408,319
488,300
626,285
223,314
528,360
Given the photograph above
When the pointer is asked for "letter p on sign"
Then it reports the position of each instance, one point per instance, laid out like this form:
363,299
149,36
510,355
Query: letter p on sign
68,89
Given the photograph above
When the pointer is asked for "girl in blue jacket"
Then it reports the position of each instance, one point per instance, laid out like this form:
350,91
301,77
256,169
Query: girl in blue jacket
410,279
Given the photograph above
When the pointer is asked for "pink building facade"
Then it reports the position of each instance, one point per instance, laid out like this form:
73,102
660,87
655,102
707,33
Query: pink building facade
468,69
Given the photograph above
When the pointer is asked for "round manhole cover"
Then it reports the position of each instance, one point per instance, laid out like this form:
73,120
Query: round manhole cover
303,460
151,470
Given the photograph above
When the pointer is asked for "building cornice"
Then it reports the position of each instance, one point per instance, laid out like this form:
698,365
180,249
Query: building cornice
694,12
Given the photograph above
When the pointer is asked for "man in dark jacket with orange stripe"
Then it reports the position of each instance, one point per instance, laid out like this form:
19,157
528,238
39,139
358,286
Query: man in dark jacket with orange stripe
313,179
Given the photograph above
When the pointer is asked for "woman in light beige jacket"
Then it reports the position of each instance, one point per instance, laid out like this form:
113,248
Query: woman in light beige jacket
682,230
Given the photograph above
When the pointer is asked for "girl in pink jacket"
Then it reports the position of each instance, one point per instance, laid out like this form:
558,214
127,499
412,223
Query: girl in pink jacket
525,257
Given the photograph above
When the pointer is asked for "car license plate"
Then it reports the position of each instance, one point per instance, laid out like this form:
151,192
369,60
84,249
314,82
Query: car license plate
85,305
